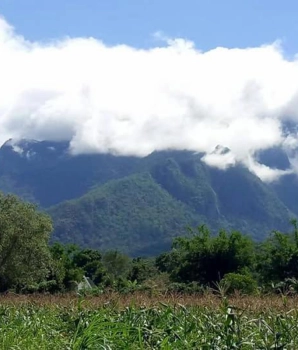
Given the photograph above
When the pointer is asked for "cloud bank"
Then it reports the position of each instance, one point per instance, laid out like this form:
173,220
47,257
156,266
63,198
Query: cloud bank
132,101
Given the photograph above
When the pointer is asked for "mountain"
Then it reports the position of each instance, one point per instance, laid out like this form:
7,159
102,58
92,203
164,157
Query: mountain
133,214
45,172
138,205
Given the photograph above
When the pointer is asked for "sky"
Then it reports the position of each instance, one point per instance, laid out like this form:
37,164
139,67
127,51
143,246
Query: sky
208,23
131,77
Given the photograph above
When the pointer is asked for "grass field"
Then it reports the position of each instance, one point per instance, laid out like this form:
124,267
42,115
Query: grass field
138,321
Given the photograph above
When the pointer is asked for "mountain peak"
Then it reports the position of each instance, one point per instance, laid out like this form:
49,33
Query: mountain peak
30,148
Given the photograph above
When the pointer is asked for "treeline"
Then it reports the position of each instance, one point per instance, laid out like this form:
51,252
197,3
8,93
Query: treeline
198,261
230,260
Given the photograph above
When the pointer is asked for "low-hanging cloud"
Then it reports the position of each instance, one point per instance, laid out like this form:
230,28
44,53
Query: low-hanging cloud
133,101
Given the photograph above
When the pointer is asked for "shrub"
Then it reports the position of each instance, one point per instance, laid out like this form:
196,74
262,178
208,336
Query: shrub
186,288
243,283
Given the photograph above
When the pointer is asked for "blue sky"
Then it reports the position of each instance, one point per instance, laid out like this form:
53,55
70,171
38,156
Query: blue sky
209,23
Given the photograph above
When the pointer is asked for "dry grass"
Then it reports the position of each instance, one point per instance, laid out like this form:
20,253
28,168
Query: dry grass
278,303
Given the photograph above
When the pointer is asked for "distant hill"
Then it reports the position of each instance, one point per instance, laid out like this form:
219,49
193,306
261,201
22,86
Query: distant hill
133,214
138,205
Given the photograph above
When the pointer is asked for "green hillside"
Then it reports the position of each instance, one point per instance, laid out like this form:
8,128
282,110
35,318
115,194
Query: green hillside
133,214
140,214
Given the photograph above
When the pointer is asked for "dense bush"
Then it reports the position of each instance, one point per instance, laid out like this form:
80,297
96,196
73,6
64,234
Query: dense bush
237,282
206,259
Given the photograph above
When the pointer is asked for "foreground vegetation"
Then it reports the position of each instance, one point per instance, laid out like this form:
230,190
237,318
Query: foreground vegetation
207,292
114,321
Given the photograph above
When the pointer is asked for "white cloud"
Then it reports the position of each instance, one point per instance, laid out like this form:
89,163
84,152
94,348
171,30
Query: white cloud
265,172
131,101
221,158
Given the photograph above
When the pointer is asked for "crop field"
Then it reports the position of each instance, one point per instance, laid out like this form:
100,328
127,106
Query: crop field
139,321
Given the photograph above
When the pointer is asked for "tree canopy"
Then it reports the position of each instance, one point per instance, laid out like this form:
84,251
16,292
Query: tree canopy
24,236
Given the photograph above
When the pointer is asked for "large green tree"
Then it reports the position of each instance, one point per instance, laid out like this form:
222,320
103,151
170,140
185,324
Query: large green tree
278,256
206,259
24,251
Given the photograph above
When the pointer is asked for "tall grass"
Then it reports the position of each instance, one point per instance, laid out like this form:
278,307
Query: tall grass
142,322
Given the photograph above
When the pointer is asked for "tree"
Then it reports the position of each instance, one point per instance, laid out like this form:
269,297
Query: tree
90,261
142,269
116,264
243,283
205,259
24,235
63,269
278,256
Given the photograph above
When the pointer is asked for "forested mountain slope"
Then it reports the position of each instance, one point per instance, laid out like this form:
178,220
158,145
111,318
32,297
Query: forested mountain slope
138,204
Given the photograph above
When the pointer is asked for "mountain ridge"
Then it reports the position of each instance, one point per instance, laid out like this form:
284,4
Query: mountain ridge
188,191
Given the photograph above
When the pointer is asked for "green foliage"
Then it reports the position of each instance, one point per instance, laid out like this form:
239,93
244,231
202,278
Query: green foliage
186,288
207,259
24,235
116,265
142,269
70,264
134,215
163,326
90,261
64,271
278,257
237,282
167,262
30,327
196,261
